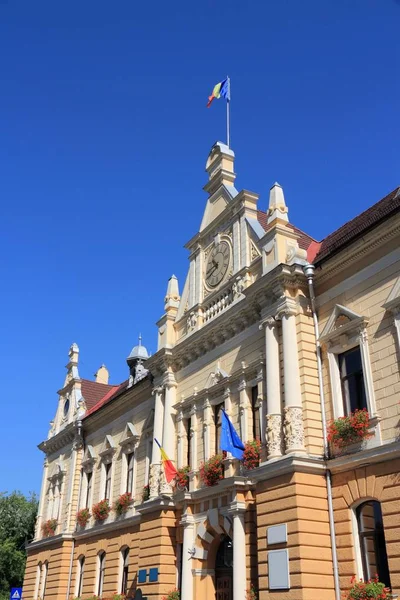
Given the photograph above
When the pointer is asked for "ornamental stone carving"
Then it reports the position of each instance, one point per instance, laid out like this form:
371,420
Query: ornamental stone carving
238,287
191,321
274,435
294,430
154,480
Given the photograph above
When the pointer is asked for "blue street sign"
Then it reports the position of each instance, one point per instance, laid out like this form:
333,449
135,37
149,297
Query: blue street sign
16,594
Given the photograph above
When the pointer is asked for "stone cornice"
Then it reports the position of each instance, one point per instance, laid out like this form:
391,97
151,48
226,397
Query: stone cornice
289,464
49,541
385,452
157,504
107,527
61,439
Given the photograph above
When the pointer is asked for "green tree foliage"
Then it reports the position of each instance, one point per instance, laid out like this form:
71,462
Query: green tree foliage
17,525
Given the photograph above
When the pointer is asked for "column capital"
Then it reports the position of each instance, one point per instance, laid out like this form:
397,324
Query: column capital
268,322
288,308
157,390
237,508
187,520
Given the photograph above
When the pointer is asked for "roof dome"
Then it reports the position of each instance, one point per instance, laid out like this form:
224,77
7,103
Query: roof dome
139,351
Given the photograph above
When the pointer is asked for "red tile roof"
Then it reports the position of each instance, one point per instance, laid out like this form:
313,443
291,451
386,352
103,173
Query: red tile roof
353,229
304,240
112,393
93,392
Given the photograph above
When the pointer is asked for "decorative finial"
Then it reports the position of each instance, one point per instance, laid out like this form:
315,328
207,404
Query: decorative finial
140,339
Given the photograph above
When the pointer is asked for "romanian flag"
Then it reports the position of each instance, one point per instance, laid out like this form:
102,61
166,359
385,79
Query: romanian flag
169,468
221,89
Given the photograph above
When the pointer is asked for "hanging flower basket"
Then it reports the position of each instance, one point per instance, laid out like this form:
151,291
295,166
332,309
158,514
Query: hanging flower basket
251,454
212,470
182,478
172,595
101,510
348,430
146,493
372,589
123,503
83,517
49,527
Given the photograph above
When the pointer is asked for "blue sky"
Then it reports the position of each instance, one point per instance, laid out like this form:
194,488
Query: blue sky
104,138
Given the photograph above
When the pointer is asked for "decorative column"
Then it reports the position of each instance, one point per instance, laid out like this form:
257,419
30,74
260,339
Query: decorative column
274,404
237,511
181,439
294,430
169,433
155,467
193,446
243,408
261,399
207,420
188,543
39,519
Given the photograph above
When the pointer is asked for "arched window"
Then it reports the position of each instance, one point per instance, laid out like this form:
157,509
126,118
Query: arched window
79,576
372,541
37,582
101,573
125,570
45,568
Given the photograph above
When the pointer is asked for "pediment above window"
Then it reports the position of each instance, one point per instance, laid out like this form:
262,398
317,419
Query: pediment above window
57,471
215,377
393,300
89,458
108,447
130,438
342,321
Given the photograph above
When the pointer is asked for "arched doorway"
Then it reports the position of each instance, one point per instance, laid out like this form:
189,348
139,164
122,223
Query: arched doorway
224,570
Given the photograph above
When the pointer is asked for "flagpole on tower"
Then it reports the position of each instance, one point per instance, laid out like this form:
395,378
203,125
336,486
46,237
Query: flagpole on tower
228,114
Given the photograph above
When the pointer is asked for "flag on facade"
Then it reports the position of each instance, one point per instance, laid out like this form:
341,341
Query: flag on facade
169,467
221,89
230,441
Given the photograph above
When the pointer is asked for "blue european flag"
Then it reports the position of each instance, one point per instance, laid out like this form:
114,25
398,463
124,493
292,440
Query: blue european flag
230,441
225,90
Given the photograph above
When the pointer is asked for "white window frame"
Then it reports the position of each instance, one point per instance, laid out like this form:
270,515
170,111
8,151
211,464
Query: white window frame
121,567
80,572
337,341
45,570
149,447
392,304
99,582
37,580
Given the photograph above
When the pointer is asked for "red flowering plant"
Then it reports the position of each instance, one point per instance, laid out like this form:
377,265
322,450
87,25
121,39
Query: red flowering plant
172,595
212,470
83,516
122,504
101,510
182,478
348,430
373,588
251,454
49,527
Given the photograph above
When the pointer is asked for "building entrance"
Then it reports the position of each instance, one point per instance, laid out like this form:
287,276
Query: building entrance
224,570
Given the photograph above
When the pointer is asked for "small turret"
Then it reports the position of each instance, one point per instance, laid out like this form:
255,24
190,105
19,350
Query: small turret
277,206
135,362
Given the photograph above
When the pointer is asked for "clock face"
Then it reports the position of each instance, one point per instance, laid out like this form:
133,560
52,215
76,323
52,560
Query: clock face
217,264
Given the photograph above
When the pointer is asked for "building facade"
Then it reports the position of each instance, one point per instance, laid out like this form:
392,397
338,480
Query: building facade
283,332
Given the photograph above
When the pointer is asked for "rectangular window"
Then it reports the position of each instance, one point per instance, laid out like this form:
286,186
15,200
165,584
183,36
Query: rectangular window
189,442
107,484
129,475
125,571
89,477
218,424
256,413
352,380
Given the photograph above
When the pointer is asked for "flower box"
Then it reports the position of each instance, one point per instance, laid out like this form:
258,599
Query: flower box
371,589
49,527
251,454
101,510
83,517
122,504
172,595
212,470
350,430
146,493
182,478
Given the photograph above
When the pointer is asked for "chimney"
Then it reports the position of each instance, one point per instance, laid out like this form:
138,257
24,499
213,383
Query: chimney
102,375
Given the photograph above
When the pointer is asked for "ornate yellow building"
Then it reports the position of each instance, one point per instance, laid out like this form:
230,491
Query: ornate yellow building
285,333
